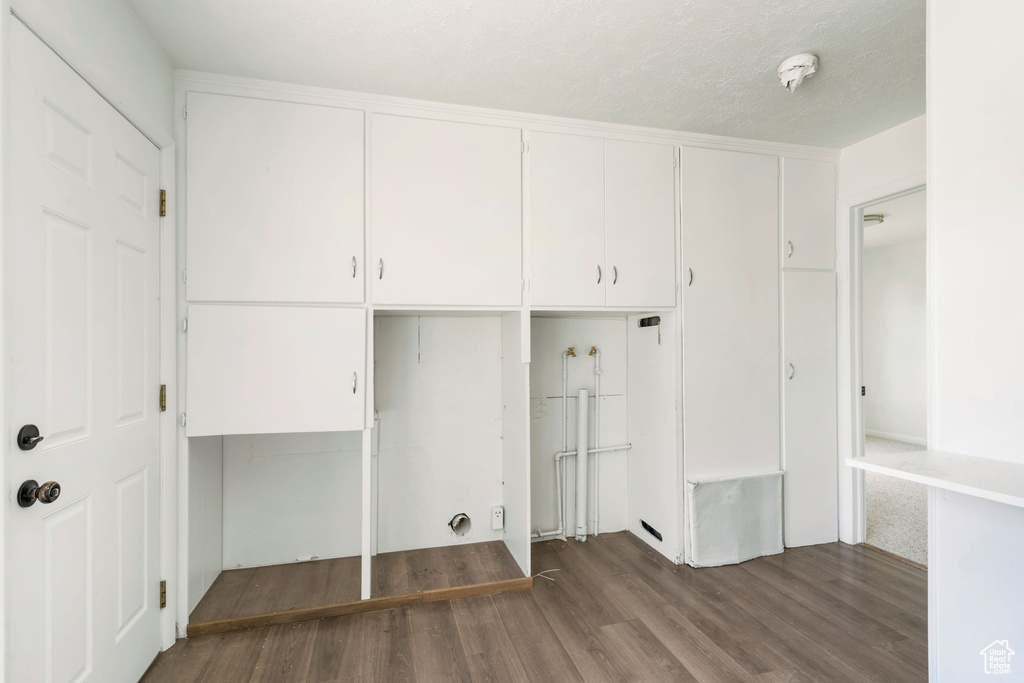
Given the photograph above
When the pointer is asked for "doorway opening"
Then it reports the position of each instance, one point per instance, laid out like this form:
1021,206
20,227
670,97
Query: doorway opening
893,369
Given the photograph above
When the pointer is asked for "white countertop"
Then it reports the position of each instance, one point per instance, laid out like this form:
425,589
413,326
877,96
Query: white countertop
996,480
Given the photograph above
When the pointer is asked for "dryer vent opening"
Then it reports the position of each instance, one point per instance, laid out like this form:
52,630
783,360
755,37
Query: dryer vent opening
649,321
460,524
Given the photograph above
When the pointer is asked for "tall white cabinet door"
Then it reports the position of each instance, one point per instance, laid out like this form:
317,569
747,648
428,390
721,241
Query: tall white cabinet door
275,201
640,227
809,407
446,212
275,369
730,284
808,214
566,220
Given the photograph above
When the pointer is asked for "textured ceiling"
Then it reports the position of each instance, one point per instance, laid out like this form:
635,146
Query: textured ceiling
904,221
705,66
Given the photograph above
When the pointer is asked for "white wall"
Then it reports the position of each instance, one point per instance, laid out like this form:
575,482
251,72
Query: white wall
976,322
890,162
438,392
880,159
106,42
975,564
654,476
515,441
976,176
205,519
550,337
894,349
291,497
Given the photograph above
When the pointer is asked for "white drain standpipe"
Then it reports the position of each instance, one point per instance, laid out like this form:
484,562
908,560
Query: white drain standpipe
561,478
582,481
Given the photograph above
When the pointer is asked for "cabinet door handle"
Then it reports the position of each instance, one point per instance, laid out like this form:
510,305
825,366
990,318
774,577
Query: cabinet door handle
615,275
353,266
354,377
789,243
690,283
792,371
599,275
380,269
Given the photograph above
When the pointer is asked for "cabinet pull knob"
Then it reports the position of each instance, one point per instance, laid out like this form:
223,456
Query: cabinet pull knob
354,377
690,283
789,243
380,269
353,266
599,275
792,371
615,275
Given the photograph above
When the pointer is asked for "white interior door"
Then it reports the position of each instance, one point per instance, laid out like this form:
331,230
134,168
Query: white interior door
640,226
566,220
82,261
809,407
731,312
446,212
275,201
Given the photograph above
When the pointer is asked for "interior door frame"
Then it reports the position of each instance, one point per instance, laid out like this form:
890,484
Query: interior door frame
163,140
849,263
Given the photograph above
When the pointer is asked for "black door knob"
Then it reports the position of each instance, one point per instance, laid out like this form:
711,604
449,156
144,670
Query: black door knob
31,491
28,437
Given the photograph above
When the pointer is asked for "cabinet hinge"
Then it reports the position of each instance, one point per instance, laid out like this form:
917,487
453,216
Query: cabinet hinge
184,112
522,285
524,146
184,419
163,203
184,276
163,594
184,324
163,398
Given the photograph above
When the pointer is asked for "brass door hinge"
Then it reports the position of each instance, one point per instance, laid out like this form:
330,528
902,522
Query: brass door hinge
163,594
163,203
163,398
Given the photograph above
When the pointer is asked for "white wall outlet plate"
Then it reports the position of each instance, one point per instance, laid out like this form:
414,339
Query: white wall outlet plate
498,517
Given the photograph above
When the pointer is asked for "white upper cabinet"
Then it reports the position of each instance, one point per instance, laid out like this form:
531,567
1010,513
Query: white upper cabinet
567,260
602,222
808,214
446,213
640,224
275,201
275,369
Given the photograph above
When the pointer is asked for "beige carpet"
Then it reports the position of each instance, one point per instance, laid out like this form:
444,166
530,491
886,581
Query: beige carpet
897,509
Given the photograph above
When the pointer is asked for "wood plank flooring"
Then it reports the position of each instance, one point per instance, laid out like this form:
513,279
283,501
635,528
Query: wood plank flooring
614,611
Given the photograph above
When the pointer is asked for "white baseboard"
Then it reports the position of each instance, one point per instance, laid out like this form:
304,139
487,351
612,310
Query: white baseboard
897,437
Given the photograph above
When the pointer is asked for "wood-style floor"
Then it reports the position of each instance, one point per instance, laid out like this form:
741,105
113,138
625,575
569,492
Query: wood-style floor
615,611
260,590
411,571
298,585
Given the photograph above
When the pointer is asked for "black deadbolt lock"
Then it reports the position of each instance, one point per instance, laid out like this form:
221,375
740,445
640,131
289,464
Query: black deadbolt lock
31,491
28,437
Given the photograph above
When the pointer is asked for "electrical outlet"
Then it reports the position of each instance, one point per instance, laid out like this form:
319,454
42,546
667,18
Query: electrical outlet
497,517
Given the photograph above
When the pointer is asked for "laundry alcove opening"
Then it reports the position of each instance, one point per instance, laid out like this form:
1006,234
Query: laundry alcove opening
627,363
448,448
274,523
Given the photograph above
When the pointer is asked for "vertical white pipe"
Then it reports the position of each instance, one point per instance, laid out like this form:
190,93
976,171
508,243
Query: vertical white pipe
597,439
582,408
560,474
